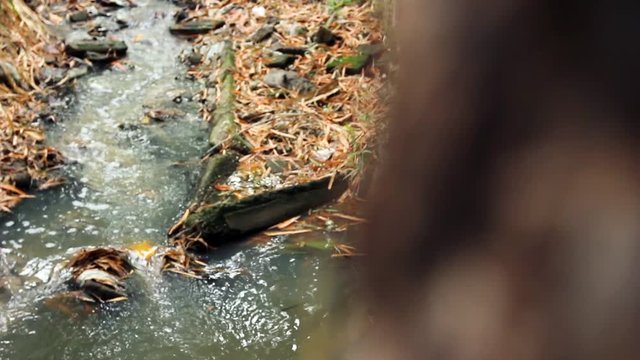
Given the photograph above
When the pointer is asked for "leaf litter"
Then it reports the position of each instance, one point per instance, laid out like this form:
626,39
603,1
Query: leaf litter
327,126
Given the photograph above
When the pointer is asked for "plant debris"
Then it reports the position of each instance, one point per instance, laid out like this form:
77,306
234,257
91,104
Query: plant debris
318,112
100,273
26,48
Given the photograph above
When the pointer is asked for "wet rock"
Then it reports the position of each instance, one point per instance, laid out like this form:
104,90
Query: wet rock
254,85
114,3
289,80
262,34
297,30
21,179
280,61
179,96
79,16
113,48
189,4
76,35
196,27
78,72
325,36
162,115
98,57
128,127
122,21
374,50
195,58
289,50
167,100
9,75
98,30
228,8
180,15
103,25
272,20
9,284
51,75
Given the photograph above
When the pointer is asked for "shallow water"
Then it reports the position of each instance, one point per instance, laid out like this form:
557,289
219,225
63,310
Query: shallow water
128,186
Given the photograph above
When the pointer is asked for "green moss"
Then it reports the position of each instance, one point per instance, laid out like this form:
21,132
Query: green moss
353,64
335,5
231,218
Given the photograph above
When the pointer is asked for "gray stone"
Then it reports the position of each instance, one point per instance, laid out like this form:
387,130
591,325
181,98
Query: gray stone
9,74
51,75
289,80
122,21
325,36
372,49
262,34
76,35
280,61
289,50
195,58
297,30
78,72
114,3
79,16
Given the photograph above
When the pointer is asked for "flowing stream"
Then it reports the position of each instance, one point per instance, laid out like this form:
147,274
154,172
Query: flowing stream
128,184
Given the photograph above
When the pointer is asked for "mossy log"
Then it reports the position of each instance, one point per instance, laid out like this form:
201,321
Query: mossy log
232,219
216,168
225,127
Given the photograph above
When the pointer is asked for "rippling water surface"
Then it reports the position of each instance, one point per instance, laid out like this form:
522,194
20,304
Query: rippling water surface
128,186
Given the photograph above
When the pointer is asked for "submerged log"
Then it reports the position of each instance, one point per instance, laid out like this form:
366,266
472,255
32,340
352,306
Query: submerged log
231,219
